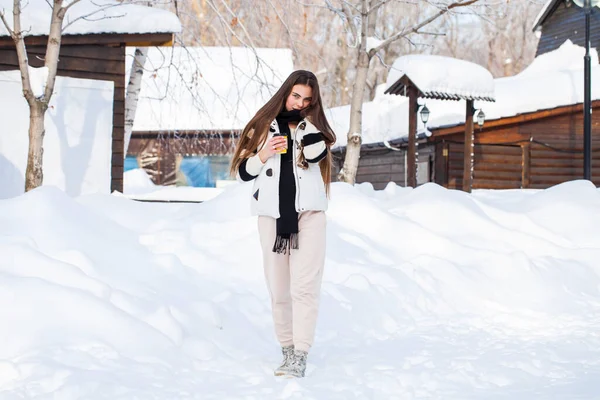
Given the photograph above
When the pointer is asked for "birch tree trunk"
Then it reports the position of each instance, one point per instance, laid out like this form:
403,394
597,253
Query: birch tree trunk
34,175
133,92
348,172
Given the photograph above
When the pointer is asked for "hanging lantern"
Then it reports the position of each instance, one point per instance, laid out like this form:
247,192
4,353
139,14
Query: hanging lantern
424,114
480,118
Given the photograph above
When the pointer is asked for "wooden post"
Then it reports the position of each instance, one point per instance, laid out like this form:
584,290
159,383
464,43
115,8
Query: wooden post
118,134
441,164
468,150
525,165
413,108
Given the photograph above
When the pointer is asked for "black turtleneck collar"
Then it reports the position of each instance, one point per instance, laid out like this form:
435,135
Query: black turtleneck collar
290,116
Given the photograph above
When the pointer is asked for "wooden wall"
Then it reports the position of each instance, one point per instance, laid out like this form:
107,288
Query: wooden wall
536,153
557,152
88,62
380,165
494,166
568,22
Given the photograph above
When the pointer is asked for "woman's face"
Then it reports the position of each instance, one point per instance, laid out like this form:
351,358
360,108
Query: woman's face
299,98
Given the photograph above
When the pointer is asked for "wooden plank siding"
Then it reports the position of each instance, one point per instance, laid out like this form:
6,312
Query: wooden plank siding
87,62
567,22
497,166
380,165
535,153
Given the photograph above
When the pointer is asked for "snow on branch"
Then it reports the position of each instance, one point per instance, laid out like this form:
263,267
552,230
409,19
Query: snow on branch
38,78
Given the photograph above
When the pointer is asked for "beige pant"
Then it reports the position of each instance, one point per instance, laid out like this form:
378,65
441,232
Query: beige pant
294,280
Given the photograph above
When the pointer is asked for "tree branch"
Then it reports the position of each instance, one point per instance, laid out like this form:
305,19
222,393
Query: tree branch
346,15
17,36
376,6
415,29
100,9
5,22
53,47
66,8
239,22
285,25
226,24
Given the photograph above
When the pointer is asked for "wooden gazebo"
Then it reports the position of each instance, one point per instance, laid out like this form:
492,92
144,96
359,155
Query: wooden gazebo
440,78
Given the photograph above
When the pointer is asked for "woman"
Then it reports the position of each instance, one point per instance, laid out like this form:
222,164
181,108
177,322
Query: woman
285,149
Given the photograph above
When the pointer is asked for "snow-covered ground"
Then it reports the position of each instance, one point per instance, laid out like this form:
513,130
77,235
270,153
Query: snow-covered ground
428,293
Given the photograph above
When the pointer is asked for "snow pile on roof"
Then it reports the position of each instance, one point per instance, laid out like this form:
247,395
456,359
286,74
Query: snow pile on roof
207,88
552,80
567,57
427,293
92,17
438,75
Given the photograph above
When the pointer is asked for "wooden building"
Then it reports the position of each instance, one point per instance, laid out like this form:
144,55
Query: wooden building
532,136
193,104
95,49
424,81
384,162
530,150
535,148
562,20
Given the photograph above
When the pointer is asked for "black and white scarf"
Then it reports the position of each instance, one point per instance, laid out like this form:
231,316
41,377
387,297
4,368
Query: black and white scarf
287,223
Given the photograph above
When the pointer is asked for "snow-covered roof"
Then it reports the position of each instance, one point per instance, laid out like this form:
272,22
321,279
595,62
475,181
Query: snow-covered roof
545,12
552,80
207,88
92,17
442,77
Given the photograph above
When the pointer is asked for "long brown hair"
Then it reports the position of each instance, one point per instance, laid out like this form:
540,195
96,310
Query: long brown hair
255,133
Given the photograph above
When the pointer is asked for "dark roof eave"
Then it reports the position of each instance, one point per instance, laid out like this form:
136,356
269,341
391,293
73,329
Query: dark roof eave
549,10
130,39
398,88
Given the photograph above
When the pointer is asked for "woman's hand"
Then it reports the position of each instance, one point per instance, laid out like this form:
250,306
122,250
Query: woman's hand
274,146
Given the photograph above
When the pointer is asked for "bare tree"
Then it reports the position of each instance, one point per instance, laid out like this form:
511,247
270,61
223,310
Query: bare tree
38,100
361,20
507,33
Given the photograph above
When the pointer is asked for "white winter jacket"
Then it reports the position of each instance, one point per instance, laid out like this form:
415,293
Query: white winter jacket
310,188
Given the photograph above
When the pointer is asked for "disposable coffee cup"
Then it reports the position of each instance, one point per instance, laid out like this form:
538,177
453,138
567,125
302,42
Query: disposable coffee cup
283,151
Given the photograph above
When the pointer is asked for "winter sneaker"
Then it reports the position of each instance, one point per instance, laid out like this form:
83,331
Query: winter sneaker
298,364
288,355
